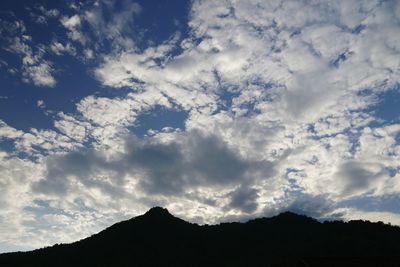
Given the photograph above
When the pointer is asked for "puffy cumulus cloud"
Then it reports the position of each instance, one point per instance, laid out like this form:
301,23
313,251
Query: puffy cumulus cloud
9,132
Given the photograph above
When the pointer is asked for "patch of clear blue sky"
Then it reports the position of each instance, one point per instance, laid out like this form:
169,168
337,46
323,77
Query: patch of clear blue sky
162,18
7,145
158,21
158,118
388,203
388,108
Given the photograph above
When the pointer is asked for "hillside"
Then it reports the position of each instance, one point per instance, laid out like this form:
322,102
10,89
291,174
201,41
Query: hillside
157,238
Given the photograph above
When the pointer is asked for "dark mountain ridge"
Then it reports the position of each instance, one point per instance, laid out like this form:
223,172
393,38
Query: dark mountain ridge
157,238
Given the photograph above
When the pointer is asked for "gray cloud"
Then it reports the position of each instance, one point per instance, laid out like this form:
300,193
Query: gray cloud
191,160
244,199
358,177
85,166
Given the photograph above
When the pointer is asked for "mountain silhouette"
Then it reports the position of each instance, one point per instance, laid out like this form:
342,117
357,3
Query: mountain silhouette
158,238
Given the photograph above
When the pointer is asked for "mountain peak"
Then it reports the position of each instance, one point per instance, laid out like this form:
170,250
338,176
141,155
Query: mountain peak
158,211
289,214
291,217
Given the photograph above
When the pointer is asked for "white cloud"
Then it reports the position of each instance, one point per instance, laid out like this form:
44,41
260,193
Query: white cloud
59,49
104,111
16,176
49,12
40,74
73,24
72,127
40,104
34,68
88,54
113,28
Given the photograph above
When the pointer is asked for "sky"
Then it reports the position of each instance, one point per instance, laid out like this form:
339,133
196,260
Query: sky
220,110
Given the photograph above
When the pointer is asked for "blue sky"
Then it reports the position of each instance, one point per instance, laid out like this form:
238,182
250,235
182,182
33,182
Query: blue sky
217,110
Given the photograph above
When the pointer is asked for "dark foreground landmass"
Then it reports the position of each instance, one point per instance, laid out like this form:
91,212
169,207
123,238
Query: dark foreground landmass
159,239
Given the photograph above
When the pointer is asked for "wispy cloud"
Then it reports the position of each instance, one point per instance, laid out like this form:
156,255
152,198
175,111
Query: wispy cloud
34,68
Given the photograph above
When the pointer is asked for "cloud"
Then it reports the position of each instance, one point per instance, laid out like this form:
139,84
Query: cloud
34,68
73,24
40,75
59,168
72,127
42,14
16,175
49,12
9,132
159,167
94,20
245,199
193,160
113,28
35,144
59,49
88,53
359,176
40,104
